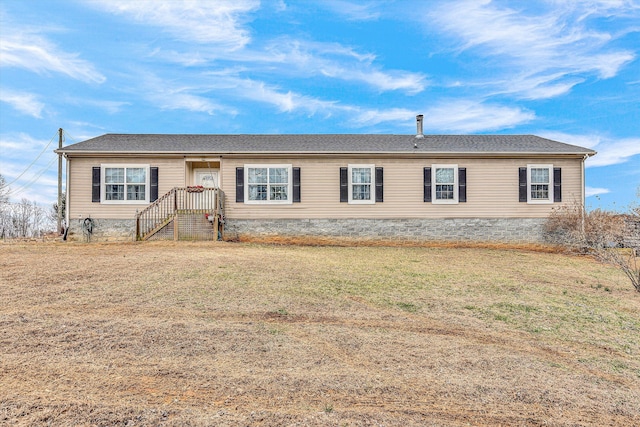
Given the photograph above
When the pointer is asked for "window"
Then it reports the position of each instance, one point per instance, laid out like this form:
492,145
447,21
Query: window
540,184
445,183
124,184
268,184
360,183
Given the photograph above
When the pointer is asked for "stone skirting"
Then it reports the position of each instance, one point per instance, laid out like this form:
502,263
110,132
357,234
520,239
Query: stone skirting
191,226
104,230
631,238
511,230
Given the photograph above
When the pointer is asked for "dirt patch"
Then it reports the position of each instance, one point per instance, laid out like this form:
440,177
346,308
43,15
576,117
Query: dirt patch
246,334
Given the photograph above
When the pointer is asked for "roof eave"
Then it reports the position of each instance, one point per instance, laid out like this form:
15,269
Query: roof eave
85,153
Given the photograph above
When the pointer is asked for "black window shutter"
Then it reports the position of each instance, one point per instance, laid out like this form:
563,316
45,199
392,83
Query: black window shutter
239,185
379,185
296,185
462,185
95,185
153,190
557,184
522,179
344,185
427,184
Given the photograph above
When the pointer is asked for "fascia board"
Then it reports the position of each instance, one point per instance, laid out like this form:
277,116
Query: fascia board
408,154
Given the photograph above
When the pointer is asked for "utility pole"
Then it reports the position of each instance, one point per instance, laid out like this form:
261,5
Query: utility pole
60,182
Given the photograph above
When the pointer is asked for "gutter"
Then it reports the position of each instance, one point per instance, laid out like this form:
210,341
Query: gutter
324,153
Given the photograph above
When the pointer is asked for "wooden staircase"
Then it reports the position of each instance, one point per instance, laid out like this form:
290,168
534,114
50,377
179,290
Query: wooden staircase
183,213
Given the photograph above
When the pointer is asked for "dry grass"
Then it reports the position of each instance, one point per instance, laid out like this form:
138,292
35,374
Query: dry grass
246,334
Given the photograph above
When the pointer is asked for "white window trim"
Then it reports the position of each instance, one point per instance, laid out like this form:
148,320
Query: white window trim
124,202
529,183
289,201
372,192
434,198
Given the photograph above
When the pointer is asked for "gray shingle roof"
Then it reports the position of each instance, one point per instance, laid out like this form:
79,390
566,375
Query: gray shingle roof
320,144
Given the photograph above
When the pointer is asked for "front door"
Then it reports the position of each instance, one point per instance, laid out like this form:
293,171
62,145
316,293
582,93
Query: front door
208,178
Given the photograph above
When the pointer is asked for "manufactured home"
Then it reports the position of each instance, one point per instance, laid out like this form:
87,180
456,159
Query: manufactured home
494,188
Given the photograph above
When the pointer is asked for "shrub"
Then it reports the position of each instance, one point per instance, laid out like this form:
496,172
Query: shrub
598,233
571,226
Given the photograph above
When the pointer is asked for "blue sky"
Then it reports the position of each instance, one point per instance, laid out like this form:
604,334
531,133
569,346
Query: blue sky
563,69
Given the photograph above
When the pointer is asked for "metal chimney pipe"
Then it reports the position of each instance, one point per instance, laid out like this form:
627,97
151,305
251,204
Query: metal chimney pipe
419,118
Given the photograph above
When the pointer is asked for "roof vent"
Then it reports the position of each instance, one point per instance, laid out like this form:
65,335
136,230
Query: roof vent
419,118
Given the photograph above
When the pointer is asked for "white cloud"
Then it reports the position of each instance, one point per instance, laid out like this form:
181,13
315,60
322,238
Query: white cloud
230,85
285,101
587,141
450,116
353,11
615,151
187,59
283,56
170,95
600,7
185,101
340,62
411,83
543,54
308,55
374,117
179,99
207,22
611,151
17,144
471,116
593,191
24,102
24,48
221,33
539,87
111,107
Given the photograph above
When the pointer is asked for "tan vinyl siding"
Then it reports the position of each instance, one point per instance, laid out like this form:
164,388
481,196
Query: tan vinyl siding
171,173
492,189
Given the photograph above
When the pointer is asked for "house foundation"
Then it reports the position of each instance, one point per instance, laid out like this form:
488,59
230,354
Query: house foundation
102,230
508,230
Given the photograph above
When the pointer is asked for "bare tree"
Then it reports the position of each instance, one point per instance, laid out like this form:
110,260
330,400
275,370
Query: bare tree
598,233
4,190
22,217
53,213
38,220
5,214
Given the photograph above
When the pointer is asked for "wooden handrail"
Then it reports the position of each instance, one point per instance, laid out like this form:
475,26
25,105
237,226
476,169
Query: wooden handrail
162,211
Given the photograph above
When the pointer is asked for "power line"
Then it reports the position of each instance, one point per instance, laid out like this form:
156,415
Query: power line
32,163
65,133
33,180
